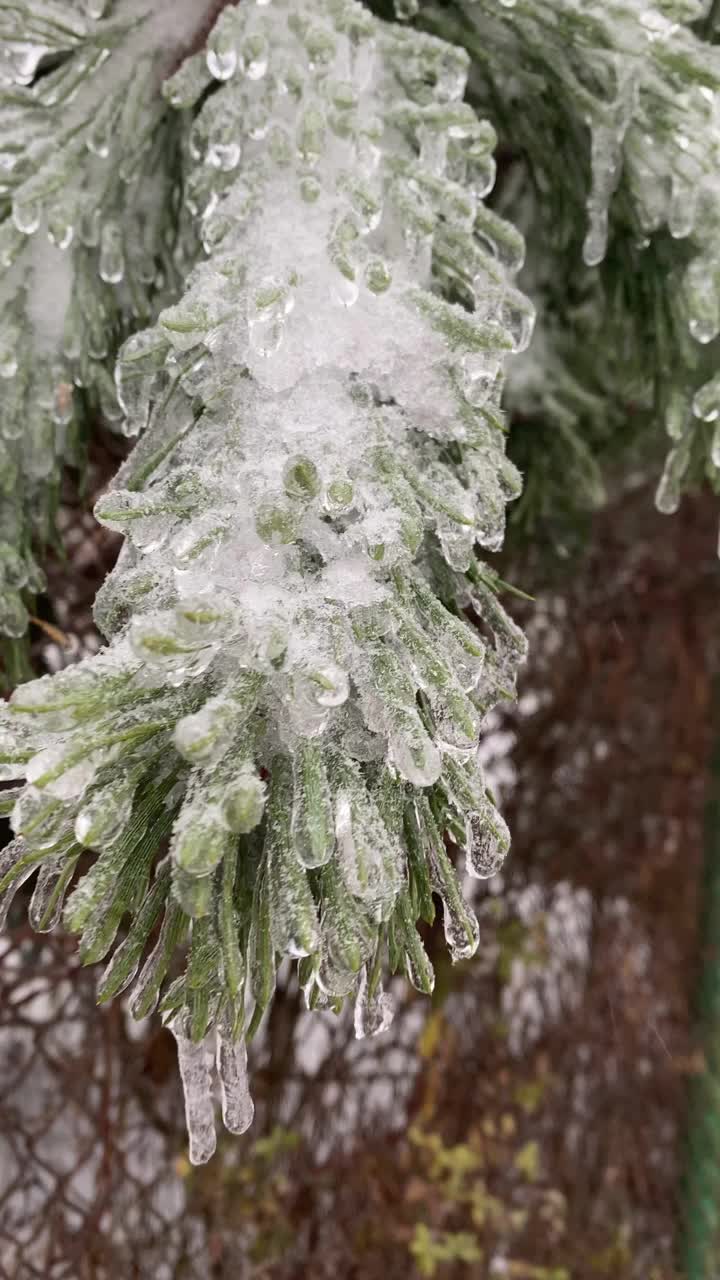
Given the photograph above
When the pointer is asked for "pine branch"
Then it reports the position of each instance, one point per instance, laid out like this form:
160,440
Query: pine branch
613,110
291,693
91,241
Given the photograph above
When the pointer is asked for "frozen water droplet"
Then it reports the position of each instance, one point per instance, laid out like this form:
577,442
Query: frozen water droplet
39,818
676,415
461,934
136,373
255,57
301,478
205,734
669,490
90,227
13,615
683,208
54,770
224,156
480,373
331,685
130,514
595,243
26,215
271,304
99,139
373,1012
457,543
222,63
243,803
481,176
339,495
61,233
418,760
157,644
112,257
377,276
706,403
307,714
487,843
704,329
105,815
518,317
667,496
701,294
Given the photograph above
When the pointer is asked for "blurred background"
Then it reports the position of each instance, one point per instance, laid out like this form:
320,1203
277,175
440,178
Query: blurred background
550,1114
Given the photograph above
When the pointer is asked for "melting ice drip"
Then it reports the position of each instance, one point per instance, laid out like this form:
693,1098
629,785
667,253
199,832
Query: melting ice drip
293,695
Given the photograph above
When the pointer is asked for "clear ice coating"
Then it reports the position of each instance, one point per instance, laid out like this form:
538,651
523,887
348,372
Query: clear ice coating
639,83
237,1105
89,224
291,696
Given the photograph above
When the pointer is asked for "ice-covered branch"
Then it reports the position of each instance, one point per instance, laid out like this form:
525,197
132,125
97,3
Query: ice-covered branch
89,240
615,110
292,696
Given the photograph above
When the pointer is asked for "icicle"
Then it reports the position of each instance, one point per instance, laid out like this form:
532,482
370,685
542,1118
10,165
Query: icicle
606,161
373,1012
195,1062
237,1105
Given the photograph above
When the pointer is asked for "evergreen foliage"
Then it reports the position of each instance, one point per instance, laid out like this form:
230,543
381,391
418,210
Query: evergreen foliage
291,694
93,234
609,117
314,307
